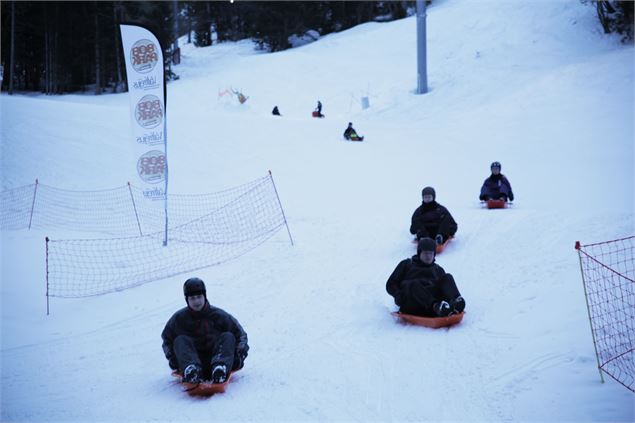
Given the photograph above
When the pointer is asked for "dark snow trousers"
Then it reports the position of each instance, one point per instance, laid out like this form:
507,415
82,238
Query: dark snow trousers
222,352
430,231
420,297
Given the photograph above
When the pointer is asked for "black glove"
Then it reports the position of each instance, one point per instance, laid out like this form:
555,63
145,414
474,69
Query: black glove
483,197
172,360
239,359
511,197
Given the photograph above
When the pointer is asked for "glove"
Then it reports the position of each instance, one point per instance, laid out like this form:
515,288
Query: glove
483,197
511,197
171,360
239,359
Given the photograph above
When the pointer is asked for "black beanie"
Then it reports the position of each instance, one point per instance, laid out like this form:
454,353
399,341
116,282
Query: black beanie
194,286
429,191
426,244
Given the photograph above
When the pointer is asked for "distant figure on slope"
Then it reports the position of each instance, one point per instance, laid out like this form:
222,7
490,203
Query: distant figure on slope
350,133
431,219
203,341
275,111
318,110
421,287
496,186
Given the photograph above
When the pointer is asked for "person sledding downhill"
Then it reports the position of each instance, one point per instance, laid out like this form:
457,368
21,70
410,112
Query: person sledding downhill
203,342
318,110
421,287
351,135
431,219
496,186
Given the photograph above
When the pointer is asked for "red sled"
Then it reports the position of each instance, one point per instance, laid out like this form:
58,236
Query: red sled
496,204
204,389
430,322
317,114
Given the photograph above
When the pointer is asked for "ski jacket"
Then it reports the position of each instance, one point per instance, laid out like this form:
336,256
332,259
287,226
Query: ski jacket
430,218
409,270
349,132
202,326
495,186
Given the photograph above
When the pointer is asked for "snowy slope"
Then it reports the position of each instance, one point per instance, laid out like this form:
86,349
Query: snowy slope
535,85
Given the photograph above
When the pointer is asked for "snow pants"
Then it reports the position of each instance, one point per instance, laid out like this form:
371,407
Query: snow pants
433,230
420,296
222,352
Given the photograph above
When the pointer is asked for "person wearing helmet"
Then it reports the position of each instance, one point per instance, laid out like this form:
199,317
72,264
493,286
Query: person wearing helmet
202,341
496,186
431,219
350,134
421,287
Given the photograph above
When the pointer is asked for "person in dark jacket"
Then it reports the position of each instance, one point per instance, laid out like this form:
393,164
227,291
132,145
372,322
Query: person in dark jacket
431,219
421,287
496,186
203,341
275,111
350,133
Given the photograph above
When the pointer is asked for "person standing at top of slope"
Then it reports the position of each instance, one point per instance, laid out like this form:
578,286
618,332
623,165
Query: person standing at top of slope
431,219
203,341
421,287
496,186
318,109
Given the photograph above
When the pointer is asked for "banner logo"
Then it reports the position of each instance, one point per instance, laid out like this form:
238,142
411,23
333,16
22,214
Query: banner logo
144,56
151,167
149,111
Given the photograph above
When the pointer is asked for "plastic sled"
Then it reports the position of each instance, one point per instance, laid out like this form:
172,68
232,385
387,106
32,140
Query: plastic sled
316,114
441,247
206,388
496,204
357,138
430,322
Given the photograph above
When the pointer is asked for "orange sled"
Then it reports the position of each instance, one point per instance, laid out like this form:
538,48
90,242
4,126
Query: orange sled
430,322
205,389
496,204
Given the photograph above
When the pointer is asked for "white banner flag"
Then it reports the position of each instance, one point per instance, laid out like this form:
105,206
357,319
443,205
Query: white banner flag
144,69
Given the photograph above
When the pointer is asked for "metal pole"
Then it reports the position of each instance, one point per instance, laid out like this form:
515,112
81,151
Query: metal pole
47,275
33,204
422,72
281,209
134,206
588,309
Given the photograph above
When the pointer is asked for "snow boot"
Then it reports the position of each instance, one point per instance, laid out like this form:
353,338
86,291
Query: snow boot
458,304
192,373
219,374
442,309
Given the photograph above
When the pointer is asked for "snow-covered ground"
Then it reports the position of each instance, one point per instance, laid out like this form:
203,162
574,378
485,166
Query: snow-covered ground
534,85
